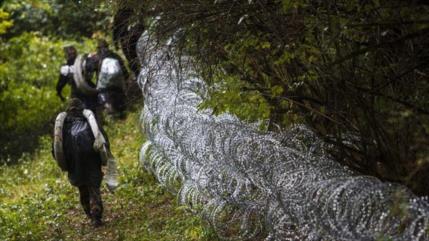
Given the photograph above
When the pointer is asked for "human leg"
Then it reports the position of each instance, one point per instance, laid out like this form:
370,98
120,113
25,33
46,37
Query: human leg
96,205
85,200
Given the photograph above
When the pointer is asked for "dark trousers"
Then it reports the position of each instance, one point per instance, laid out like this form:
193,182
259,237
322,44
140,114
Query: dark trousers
90,198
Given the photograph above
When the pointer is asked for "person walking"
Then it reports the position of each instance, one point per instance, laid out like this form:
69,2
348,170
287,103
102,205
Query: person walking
111,76
78,72
77,151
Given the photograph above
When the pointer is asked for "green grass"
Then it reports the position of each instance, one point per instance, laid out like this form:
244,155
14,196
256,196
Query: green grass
38,203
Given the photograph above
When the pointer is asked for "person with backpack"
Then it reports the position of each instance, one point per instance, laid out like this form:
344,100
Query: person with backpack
80,148
78,72
111,76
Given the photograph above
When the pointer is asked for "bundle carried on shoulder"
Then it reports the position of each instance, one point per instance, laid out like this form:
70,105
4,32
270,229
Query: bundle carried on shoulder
58,141
100,145
79,76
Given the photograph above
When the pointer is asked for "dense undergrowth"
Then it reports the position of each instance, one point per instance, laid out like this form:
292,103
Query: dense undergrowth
37,202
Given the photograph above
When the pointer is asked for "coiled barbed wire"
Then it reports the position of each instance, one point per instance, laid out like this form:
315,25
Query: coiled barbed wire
260,185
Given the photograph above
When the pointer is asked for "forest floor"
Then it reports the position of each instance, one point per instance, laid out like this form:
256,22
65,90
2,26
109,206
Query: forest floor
38,203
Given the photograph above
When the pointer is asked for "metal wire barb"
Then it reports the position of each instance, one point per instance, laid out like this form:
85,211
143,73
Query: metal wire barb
251,184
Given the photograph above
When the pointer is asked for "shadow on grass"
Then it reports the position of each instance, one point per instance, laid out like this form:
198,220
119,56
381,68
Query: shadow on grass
14,144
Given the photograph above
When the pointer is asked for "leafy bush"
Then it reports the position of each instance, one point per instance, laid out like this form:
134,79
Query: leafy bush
28,74
5,22
62,18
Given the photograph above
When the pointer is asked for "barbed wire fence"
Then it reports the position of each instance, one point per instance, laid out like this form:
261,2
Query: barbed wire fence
259,185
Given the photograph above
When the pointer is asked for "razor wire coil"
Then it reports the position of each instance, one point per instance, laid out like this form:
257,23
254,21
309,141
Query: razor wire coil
251,184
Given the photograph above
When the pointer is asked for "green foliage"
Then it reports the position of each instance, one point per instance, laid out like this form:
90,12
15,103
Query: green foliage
27,78
5,23
28,74
62,18
230,96
38,203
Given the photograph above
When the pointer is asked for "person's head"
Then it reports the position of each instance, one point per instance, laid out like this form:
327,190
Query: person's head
70,52
76,106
